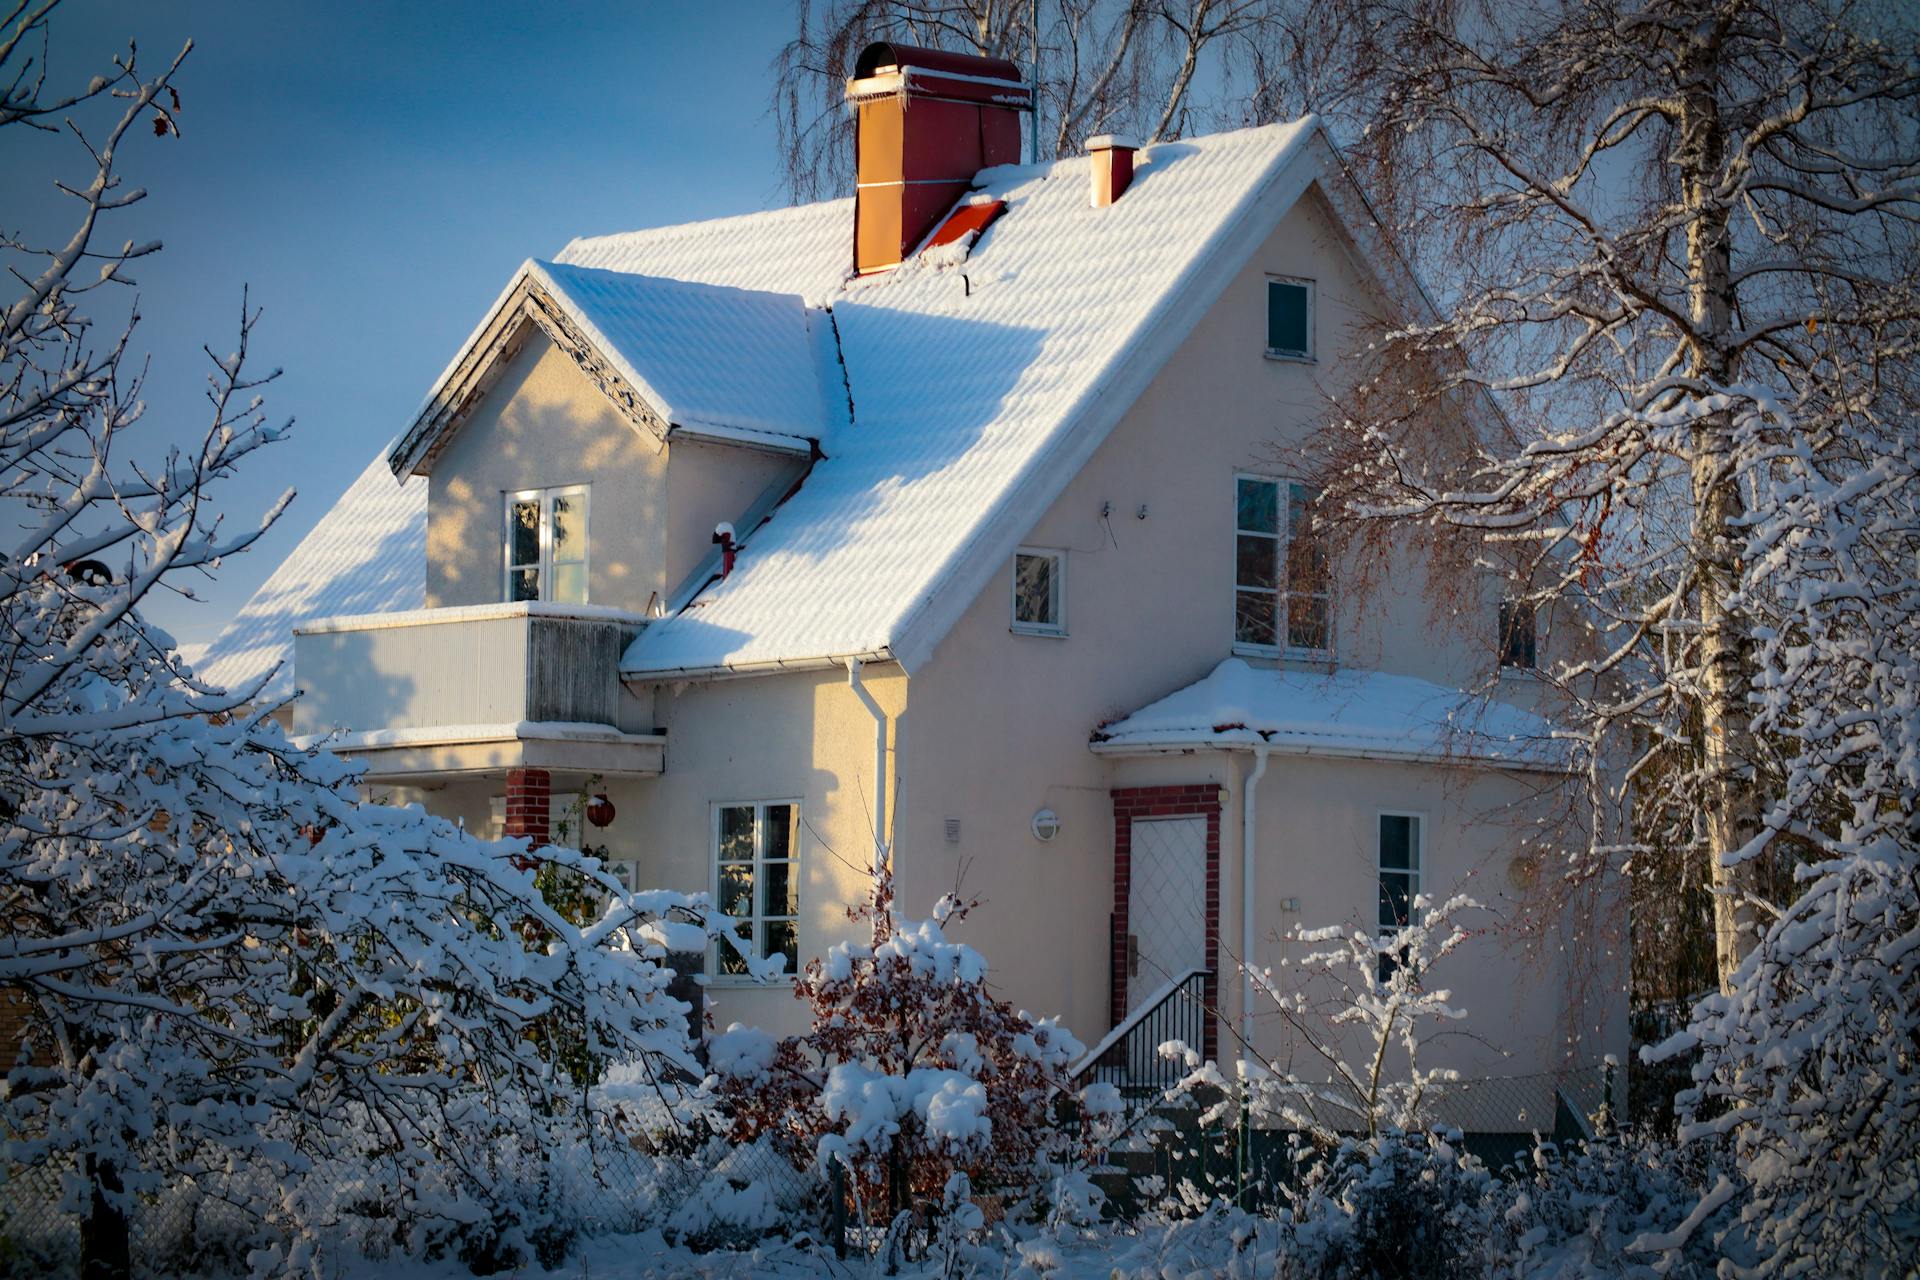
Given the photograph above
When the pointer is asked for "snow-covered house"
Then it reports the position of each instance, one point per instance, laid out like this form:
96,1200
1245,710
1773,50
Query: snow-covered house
970,511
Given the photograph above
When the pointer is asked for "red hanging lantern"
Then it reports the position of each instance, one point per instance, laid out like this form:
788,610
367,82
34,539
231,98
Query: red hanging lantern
600,810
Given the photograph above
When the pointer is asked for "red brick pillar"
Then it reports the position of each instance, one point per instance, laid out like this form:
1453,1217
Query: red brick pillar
528,791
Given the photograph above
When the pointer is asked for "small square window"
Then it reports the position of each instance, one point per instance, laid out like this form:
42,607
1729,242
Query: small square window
1290,318
1518,639
1039,592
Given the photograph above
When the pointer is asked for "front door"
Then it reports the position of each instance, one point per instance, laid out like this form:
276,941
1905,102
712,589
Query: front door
1166,905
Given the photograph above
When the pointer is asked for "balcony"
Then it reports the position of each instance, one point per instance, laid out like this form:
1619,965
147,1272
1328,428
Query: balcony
439,693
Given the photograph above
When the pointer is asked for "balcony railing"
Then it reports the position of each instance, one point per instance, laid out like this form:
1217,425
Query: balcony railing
474,689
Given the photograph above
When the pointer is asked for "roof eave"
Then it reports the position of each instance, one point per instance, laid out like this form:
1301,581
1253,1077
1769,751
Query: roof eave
638,674
531,298
1242,740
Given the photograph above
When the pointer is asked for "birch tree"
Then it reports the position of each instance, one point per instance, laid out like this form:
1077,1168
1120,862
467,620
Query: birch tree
1674,252
1153,68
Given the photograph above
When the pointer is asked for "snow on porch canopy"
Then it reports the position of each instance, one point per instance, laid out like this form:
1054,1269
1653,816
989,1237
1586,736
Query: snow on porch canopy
1353,714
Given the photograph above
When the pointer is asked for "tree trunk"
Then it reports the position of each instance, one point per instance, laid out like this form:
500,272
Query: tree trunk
105,1253
1726,651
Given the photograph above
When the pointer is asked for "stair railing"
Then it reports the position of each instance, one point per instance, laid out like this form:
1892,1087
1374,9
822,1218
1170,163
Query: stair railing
1128,1056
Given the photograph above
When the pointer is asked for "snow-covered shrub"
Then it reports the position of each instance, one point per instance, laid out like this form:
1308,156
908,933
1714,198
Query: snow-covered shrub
1377,986
238,978
911,1073
1402,1205
1583,1205
1811,1069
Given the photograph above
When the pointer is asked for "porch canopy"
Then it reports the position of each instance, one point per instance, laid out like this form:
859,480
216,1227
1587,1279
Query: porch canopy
1351,714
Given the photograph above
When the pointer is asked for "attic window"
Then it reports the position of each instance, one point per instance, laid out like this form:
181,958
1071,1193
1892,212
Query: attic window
966,223
1290,319
546,545
1039,591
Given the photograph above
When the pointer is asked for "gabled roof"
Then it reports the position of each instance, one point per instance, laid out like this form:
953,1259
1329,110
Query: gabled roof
368,554
1350,714
980,383
981,375
675,356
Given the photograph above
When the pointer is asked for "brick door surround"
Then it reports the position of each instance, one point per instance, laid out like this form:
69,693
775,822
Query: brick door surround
1183,800
529,793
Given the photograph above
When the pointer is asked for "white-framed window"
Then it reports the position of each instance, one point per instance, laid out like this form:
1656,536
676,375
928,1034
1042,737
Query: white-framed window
1400,859
545,549
1040,591
1518,639
1282,599
1289,318
756,879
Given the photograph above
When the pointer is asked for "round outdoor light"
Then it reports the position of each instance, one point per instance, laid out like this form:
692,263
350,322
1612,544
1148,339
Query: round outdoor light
600,810
1046,825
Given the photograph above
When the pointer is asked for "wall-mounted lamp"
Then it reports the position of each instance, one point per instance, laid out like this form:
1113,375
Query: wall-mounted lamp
1046,825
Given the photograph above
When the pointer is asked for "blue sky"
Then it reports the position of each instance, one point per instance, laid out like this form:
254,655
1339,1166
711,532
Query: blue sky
374,173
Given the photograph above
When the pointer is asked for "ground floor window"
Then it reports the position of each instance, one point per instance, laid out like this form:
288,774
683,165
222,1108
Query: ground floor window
1399,878
757,879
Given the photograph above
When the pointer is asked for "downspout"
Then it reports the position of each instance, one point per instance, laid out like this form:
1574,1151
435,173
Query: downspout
866,697
1249,802
1249,811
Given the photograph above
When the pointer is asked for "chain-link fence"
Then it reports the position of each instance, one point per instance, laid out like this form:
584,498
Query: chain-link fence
1172,1155
702,1189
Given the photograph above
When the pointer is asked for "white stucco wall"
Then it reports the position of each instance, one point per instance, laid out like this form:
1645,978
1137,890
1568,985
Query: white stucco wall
996,725
651,507
998,722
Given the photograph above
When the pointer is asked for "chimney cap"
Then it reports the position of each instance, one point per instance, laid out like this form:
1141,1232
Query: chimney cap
885,53
1113,142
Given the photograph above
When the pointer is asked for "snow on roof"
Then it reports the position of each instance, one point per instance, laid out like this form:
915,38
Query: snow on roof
807,249
702,355
1369,714
368,554
977,389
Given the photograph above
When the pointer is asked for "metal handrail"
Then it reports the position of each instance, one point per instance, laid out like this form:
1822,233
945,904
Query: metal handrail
1129,1055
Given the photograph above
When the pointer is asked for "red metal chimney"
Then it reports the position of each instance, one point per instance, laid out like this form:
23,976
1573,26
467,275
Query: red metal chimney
927,122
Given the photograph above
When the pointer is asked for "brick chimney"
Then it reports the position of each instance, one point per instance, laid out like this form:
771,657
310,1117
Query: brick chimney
927,121
1112,167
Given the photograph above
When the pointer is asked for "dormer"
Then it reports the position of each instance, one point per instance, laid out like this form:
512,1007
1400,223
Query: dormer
598,425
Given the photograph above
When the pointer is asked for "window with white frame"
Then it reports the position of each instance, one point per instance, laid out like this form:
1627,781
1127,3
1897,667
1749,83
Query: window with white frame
1040,591
546,545
756,880
1281,587
1290,318
1399,878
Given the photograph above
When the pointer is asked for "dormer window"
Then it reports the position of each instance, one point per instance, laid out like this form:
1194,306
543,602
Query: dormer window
1289,318
546,545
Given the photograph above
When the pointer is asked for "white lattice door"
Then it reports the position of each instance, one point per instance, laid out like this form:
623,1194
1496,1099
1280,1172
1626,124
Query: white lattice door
1166,903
